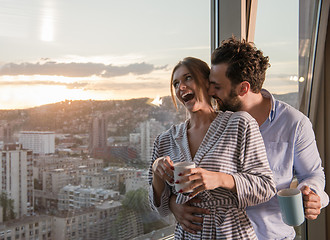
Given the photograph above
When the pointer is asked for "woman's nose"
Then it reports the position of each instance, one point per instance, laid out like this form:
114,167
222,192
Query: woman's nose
182,86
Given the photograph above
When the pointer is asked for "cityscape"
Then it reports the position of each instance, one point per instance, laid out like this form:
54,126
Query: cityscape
78,169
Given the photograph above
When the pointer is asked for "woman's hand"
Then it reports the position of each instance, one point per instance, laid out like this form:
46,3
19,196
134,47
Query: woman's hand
162,168
200,179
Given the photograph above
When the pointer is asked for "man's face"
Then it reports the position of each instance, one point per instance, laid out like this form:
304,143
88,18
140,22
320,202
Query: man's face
222,90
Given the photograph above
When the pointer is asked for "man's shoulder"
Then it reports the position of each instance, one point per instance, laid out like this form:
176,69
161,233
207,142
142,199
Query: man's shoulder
284,110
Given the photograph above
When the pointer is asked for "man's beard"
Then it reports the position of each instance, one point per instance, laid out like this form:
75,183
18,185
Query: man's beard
232,103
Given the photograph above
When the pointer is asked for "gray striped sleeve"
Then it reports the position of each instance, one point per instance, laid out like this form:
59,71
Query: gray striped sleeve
163,208
254,183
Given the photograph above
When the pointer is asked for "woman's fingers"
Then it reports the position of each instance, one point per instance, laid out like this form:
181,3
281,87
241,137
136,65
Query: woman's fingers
168,166
163,167
197,180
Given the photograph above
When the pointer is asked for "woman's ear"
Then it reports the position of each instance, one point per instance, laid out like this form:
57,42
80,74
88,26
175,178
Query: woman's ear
244,88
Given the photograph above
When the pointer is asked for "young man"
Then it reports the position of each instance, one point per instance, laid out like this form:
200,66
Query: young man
237,75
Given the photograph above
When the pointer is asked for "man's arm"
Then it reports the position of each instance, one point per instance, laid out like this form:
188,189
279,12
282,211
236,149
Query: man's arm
184,214
309,171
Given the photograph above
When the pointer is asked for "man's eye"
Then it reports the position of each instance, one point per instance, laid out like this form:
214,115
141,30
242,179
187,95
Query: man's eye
175,84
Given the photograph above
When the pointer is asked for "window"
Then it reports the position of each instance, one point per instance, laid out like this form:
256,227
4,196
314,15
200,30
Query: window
105,66
286,32
278,38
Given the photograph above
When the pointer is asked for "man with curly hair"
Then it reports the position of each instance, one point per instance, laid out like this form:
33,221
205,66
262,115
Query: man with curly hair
237,74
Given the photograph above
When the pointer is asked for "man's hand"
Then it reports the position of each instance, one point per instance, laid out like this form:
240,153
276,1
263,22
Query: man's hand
312,203
184,214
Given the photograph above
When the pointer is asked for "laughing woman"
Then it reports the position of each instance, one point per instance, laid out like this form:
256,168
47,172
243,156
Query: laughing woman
232,169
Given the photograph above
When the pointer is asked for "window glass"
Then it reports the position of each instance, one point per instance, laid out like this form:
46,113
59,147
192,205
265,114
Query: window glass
287,35
84,90
276,34
286,32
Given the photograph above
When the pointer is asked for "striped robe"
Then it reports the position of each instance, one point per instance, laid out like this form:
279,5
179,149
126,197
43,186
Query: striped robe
233,145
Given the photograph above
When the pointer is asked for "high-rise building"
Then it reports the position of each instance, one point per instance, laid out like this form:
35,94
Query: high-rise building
6,132
17,177
98,134
149,130
38,142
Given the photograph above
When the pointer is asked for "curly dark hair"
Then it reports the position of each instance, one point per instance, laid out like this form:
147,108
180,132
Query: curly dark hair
245,62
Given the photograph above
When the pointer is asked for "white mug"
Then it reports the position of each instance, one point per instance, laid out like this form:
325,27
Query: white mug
179,168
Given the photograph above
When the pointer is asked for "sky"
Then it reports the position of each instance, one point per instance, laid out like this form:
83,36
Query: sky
53,50
276,34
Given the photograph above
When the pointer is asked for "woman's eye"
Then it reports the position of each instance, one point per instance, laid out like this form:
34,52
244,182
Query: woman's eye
175,84
188,78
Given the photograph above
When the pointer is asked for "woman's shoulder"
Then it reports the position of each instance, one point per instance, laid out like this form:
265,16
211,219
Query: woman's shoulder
239,117
243,115
174,131
238,114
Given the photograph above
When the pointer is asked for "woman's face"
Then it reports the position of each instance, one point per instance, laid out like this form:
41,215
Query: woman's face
186,88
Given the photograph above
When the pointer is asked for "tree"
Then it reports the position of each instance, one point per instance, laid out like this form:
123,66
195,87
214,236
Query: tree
122,188
7,205
137,200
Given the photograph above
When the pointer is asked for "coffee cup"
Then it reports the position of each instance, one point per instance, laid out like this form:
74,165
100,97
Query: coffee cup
291,205
180,167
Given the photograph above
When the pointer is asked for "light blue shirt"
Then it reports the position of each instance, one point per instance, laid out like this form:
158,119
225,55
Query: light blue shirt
291,150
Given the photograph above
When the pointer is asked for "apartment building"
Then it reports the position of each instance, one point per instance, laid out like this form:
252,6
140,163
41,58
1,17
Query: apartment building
77,197
38,142
106,220
17,178
36,227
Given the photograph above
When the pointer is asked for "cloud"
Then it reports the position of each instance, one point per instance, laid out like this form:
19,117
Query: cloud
94,86
115,86
74,85
74,69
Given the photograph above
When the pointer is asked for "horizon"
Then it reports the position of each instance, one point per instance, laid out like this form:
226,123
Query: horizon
149,101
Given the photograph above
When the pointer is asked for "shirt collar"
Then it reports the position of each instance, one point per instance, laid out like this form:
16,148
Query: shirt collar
267,94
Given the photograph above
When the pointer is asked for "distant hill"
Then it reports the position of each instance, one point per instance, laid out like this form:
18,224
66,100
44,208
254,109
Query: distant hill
123,115
74,116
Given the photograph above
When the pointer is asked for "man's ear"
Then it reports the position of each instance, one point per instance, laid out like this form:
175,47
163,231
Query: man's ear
244,88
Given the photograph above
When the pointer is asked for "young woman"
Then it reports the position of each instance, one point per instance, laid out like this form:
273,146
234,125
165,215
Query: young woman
232,169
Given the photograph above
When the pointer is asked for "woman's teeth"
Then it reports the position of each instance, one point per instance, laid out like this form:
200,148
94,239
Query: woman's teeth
187,96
